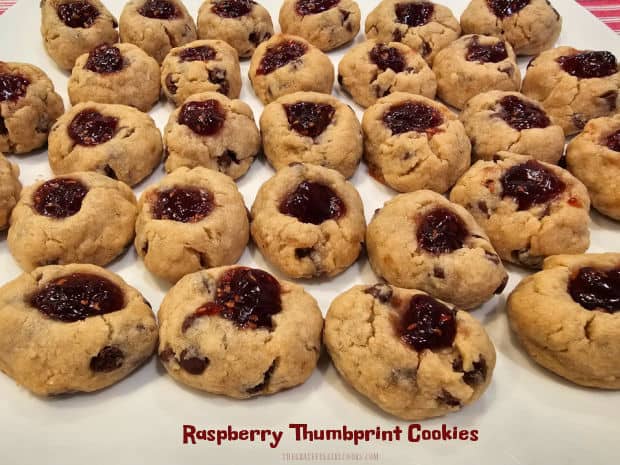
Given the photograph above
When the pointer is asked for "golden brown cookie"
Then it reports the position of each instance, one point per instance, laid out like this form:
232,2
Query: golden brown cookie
10,187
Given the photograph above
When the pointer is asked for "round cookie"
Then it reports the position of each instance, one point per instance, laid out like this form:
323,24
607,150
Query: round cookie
308,221
531,26
574,86
201,66
121,73
191,219
10,187
73,328
239,332
244,24
115,140
529,209
212,131
567,318
426,27
71,28
371,70
28,107
422,241
472,65
326,24
412,143
285,64
78,218
414,356
594,158
156,26
308,127
509,121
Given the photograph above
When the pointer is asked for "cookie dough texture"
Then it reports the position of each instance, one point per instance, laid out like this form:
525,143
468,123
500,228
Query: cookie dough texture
99,232
171,249
313,71
238,135
26,120
136,84
50,357
427,39
244,33
525,237
531,30
243,362
64,43
182,78
305,250
130,156
489,133
414,160
570,101
595,164
366,82
156,36
467,277
326,30
459,79
10,187
338,147
368,353
558,333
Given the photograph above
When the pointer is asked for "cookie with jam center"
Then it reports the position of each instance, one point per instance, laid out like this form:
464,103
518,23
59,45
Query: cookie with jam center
567,318
10,187
412,355
239,332
73,328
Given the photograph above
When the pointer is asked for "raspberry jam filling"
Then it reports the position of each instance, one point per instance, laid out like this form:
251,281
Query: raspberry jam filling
521,115
204,118
596,289
202,53
77,14
412,116
12,87
613,141
158,9
504,8
280,55
441,231
427,324
414,14
78,296
59,198
588,65
387,58
89,127
485,53
183,204
313,7
308,118
313,202
104,59
530,183
232,8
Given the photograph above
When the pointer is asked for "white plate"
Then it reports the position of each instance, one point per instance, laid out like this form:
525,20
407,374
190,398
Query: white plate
527,415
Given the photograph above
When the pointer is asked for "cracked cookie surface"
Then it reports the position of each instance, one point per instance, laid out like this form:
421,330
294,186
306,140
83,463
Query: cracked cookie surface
380,338
114,140
308,221
529,209
191,219
576,342
10,187
239,332
73,328
422,241
78,218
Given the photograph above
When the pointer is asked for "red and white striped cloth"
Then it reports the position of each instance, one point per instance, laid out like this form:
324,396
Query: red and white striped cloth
607,11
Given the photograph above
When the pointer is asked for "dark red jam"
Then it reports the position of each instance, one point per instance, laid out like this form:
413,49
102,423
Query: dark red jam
12,87
411,116
202,53
89,127
587,65
78,296
204,118
414,14
313,7
110,358
158,9
521,115
613,141
505,8
232,8
531,184
183,204
441,231
59,198
280,55
595,289
313,202
387,58
427,324
104,59
308,118
77,14
486,53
